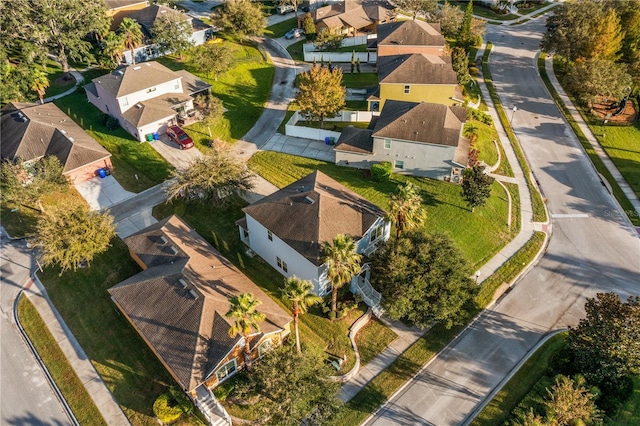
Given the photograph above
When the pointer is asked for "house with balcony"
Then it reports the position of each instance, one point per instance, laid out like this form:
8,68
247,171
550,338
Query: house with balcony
146,98
177,304
352,17
288,227
409,37
420,139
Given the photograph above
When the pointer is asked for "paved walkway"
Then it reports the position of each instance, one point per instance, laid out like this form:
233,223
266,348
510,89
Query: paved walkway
79,79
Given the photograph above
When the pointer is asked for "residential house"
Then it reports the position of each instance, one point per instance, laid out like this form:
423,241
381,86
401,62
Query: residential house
32,131
147,17
409,37
422,139
178,304
351,17
288,227
415,77
146,98
118,9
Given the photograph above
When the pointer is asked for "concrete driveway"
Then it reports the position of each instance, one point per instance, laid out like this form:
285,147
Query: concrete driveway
102,193
178,158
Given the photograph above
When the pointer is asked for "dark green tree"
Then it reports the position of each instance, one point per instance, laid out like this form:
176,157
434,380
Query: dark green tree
465,37
460,64
243,310
113,49
598,77
172,34
241,18
405,208
423,279
426,8
342,262
328,41
213,59
131,35
299,293
476,186
353,60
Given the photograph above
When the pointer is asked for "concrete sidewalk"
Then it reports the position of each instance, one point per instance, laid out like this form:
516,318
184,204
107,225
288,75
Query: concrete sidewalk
79,79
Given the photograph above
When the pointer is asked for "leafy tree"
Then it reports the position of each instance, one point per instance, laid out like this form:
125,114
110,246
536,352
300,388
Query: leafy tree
426,8
113,48
629,14
210,178
70,237
465,38
450,18
321,93
570,402
605,346
598,77
243,312
40,83
299,293
423,278
293,388
342,262
476,186
608,40
132,35
241,18
172,33
26,183
213,59
405,208
460,64
309,26
327,41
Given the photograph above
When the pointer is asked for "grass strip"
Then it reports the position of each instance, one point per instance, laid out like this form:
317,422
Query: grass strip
372,339
281,28
586,145
507,399
539,211
58,366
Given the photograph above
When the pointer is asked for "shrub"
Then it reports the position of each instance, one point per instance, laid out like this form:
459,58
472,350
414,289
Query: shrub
480,116
110,122
166,408
182,400
381,172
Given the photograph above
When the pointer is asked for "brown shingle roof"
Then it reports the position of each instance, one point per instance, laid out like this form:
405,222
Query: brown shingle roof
410,33
192,84
314,209
354,13
416,69
355,140
155,109
421,122
133,78
184,321
30,131
148,16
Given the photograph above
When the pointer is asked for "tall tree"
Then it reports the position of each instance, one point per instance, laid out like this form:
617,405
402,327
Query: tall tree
605,346
460,64
426,8
405,208
608,40
629,13
40,83
321,93
570,403
326,40
308,26
598,77
172,34
423,278
241,18
450,19
132,36
213,59
476,186
113,48
211,177
342,263
68,237
299,293
243,311
465,37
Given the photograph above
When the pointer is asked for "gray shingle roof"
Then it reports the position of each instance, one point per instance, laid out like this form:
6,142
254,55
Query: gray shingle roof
133,78
30,131
314,209
416,69
356,140
154,109
410,33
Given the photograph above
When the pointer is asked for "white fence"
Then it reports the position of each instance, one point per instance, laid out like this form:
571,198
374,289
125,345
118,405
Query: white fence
310,52
292,129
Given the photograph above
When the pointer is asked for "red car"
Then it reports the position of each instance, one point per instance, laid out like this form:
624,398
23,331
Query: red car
178,135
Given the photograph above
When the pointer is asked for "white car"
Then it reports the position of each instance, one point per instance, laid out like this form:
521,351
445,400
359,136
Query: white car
294,33
284,9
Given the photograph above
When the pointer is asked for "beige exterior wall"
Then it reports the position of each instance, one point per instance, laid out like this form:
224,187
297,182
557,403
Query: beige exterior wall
437,94
388,50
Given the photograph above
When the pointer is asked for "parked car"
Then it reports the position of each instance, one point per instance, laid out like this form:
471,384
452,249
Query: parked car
294,33
178,135
284,9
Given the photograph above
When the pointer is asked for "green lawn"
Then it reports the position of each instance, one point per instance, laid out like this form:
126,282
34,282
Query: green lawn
55,75
349,49
58,366
356,105
499,409
295,50
479,235
281,28
484,12
137,166
244,90
360,80
372,339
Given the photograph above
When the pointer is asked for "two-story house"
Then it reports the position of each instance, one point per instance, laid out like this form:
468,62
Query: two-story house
350,17
288,227
421,139
408,37
145,98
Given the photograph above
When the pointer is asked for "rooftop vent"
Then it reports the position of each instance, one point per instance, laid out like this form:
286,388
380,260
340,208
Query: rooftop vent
308,200
173,249
119,72
64,132
182,283
71,139
138,105
136,68
193,294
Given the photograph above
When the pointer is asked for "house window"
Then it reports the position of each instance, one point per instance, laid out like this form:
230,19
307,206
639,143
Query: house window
151,89
264,348
245,233
282,264
270,235
150,51
407,89
125,101
227,370
398,164
387,144
377,233
177,86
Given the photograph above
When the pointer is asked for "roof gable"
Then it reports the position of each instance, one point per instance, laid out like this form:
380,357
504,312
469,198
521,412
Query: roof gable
417,68
410,33
134,78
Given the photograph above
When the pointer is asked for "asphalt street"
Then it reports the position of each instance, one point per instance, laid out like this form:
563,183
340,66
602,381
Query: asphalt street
25,395
592,249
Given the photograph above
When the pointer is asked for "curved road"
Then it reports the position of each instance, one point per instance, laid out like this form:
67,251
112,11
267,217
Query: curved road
592,249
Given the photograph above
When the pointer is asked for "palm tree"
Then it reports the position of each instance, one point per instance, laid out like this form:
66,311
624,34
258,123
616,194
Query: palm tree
299,293
113,47
40,83
470,131
246,317
132,35
343,263
405,208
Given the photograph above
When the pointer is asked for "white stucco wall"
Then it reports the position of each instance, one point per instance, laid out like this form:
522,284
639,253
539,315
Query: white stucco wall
150,51
127,102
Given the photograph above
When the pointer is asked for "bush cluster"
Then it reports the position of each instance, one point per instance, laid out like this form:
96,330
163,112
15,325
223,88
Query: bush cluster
381,172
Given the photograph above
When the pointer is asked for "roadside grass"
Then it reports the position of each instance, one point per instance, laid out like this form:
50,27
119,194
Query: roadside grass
507,399
360,80
595,159
281,28
129,368
538,207
487,149
136,166
70,385
372,339
295,50
515,206
478,235
243,90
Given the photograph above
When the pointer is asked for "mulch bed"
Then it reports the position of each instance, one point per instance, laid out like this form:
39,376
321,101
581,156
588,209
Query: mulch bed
603,107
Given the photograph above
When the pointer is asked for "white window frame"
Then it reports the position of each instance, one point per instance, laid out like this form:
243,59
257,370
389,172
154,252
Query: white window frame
377,233
387,143
398,164
282,264
407,89
264,347
269,235
227,371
